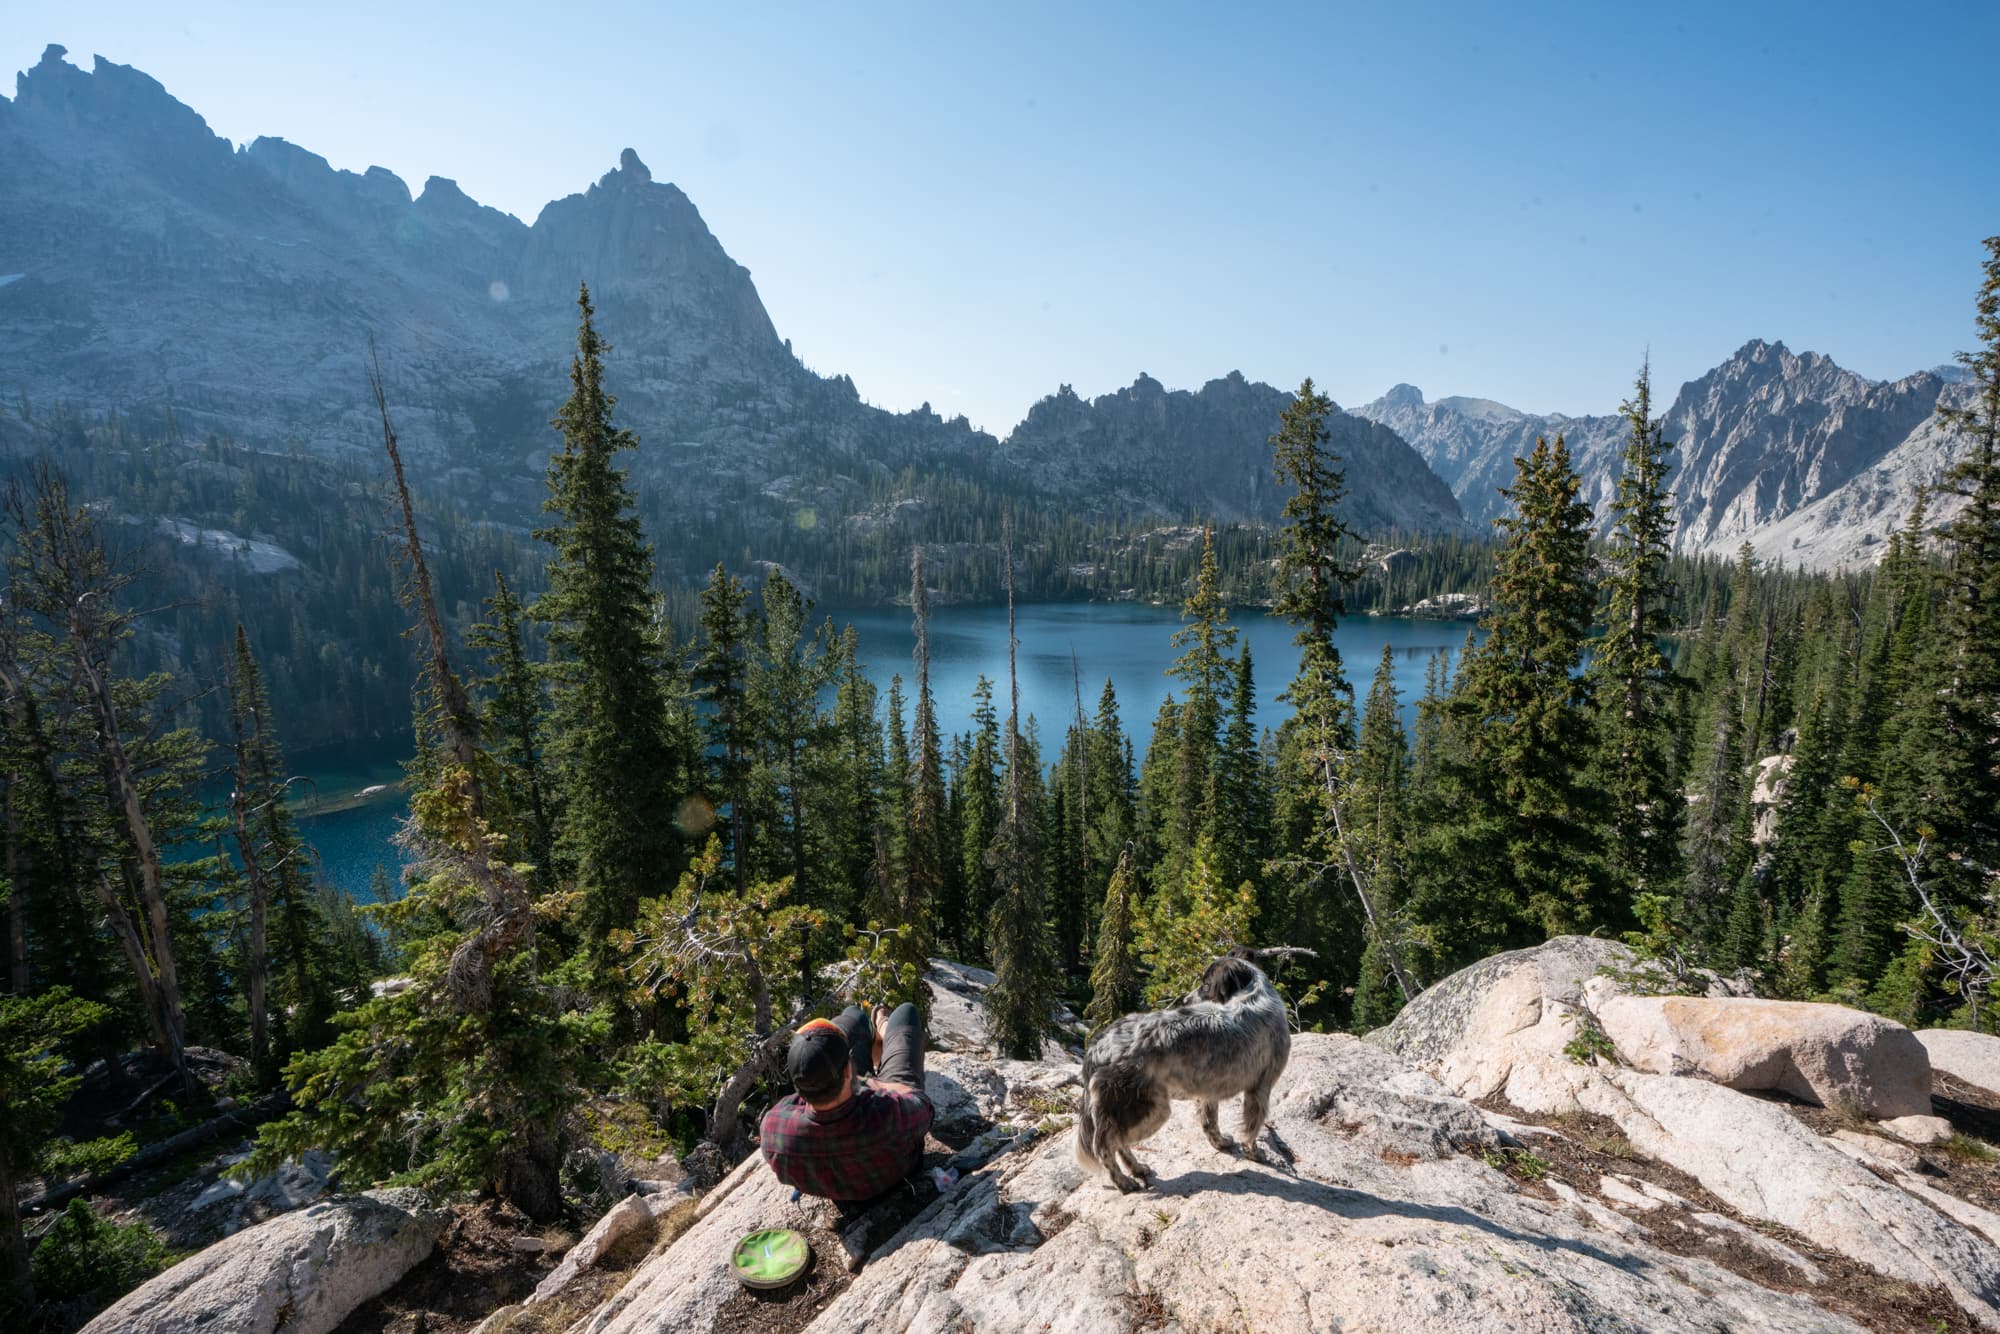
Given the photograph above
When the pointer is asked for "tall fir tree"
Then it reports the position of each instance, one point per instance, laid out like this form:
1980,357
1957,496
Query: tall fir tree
1020,1001
722,681
513,717
1632,680
1315,744
1111,800
924,890
278,876
1203,669
610,749
1971,617
1114,969
1239,818
1378,834
979,801
854,804
1520,803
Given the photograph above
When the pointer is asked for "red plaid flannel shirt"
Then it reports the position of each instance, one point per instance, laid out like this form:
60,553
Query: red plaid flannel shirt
854,1152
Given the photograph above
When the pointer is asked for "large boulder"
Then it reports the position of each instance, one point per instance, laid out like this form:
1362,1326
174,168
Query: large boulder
1970,1058
1761,1160
1385,1214
1827,1054
1471,1029
301,1272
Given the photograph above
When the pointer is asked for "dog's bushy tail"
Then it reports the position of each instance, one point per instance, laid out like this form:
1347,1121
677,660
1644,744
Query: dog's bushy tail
1086,1128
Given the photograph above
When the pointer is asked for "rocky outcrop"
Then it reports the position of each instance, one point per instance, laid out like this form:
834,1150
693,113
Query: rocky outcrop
1757,1157
1391,1203
302,1272
1473,1029
1668,1070
1385,1215
1825,1054
1970,1058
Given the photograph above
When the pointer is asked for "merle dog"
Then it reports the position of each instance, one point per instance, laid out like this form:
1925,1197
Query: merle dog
1230,1036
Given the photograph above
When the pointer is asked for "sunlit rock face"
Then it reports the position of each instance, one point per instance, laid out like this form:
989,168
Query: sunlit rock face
1812,464
148,265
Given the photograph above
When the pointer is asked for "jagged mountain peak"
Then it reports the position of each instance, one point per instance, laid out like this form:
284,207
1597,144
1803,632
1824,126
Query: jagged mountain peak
1402,396
1207,452
1811,462
240,288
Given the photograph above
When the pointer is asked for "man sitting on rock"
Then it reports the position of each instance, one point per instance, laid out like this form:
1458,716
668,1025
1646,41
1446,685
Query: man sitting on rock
855,1127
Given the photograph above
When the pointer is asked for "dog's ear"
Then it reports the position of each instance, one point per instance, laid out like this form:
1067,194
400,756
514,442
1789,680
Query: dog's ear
1243,952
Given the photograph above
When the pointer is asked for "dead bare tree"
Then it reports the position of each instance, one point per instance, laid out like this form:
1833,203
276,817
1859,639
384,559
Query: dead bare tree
1961,944
507,924
69,579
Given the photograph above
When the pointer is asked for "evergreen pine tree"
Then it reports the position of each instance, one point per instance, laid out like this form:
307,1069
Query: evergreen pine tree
854,806
1204,640
1631,677
1239,820
1111,800
1971,619
979,815
924,817
1114,972
1188,922
610,751
722,679
1520,802
1377,833
277,871
514,719
787,676
1020,1001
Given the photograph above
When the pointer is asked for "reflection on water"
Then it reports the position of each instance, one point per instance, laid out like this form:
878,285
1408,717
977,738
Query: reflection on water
1062,646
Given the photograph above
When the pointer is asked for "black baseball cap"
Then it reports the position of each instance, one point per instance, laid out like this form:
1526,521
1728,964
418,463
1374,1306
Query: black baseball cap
817,1059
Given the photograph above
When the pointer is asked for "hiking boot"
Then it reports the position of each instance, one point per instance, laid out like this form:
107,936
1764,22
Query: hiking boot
854,1243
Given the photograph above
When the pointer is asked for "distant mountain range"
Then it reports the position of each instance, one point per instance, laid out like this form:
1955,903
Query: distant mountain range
153,267
149,267
1811,464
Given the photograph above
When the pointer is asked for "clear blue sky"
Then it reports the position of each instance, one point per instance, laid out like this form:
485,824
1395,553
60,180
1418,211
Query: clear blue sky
972,208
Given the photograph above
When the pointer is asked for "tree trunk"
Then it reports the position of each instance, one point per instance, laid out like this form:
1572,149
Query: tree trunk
260,960
17,919
119,919
17,1292
531,1180
124,789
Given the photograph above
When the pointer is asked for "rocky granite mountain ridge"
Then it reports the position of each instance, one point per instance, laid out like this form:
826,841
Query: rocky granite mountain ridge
1809,462
151,268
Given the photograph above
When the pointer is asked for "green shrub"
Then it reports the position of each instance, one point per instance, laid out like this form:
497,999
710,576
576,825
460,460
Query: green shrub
63,1158
85,1256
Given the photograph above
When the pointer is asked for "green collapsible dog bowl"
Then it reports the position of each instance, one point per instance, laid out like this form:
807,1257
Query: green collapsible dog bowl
771,1258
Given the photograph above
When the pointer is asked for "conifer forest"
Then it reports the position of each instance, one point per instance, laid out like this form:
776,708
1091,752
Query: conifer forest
659,816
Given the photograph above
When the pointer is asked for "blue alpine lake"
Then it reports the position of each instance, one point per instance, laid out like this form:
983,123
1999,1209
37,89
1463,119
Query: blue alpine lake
1064,649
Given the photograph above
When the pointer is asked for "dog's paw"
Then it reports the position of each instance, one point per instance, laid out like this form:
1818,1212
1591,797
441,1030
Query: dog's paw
1128,1186
1258,1153
1224,1144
